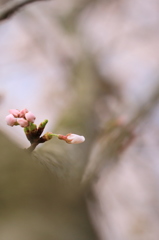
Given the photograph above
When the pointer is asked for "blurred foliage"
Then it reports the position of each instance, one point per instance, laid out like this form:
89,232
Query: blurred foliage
37,204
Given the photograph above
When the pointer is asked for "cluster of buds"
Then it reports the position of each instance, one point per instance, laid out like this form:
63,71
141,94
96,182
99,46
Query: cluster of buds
22,118
26,119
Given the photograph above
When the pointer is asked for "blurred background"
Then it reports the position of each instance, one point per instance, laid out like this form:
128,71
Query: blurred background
91,68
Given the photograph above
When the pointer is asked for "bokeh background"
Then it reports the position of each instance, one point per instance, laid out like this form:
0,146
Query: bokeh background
91,68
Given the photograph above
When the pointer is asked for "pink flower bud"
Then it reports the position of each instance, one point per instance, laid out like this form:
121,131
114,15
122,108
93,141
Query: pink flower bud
30,117
72,138
23,112
22,122
11,120
14,112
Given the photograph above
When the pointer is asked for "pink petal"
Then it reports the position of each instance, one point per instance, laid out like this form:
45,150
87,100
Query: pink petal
30,117
11,120
14,112
22,122
23,112
74,138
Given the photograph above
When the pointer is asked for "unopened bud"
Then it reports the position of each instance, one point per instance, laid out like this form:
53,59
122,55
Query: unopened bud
30,117
22,122
72,138
23,112
14,112
11,120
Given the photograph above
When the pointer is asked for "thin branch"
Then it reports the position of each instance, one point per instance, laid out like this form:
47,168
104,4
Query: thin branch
11,8
109,145
32,147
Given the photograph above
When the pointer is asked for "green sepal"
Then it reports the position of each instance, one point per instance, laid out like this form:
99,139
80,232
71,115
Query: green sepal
41,127
48,135
43,124
32,126
26,130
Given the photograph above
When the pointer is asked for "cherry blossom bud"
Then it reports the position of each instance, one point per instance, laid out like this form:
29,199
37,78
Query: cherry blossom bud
14,112
23,112
30,117
11,120
72,138
22,122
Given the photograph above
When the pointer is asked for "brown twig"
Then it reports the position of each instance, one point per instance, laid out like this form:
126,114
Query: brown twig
13,7
32,147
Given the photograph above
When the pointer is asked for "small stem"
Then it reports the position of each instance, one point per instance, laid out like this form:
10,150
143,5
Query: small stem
35,141
32,147
55,134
